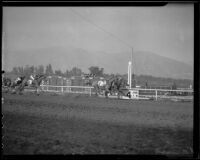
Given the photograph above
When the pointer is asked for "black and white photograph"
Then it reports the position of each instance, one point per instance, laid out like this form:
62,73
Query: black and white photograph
95,80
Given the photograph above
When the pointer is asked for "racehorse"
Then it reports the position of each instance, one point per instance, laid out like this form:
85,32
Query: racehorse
110,86
6,82
101,87
17,81
33,81
118,84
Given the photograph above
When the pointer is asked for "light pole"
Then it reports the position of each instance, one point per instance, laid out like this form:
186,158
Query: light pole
129,74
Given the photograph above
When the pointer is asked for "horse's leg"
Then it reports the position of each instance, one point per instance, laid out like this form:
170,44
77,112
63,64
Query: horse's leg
99,91
118,93
106,92
37,89
20,88
96,90
17,89
12,90
9,87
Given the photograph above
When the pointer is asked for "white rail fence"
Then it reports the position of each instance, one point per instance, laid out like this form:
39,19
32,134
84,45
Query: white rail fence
149,93
164,93
68,89
139,93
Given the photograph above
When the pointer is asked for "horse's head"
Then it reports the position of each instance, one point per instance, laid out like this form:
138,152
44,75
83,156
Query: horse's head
41,78
88,82
23,77
6,81
94,83
45,78
122,83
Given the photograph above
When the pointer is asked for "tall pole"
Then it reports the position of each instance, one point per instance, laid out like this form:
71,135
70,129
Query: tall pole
131,65
3,50
129,74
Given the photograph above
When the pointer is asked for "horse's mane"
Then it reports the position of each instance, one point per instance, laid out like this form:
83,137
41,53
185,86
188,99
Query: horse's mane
23,77
40,76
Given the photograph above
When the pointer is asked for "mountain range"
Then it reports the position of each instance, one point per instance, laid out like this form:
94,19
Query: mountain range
144,63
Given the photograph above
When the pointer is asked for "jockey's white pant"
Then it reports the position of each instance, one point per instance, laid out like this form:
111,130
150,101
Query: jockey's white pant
30,81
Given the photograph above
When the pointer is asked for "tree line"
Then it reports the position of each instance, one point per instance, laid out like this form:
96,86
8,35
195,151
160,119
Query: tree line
142,80
48,70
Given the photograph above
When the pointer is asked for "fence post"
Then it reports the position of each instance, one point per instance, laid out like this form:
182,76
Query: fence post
48,83
62,89
156,95
90,91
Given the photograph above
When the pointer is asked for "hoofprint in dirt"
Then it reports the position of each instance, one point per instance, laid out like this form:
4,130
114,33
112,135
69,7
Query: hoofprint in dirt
76,124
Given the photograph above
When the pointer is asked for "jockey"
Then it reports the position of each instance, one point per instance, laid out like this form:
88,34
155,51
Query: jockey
32,77
19,80
101,83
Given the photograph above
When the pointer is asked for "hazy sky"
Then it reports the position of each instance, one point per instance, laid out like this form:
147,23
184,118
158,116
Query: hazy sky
166,31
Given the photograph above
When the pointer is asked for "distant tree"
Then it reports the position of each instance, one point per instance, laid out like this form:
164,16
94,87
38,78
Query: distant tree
27,70
67,74
32,69
40,69
133,83
49,70
73,72
76,71
36,70
174,87
146,84
21,70
58,72
15,70
101,71
96,70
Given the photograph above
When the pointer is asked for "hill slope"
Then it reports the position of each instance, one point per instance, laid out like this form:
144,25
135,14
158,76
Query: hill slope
145,63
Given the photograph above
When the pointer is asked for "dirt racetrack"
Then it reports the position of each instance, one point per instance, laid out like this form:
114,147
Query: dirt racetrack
79,124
